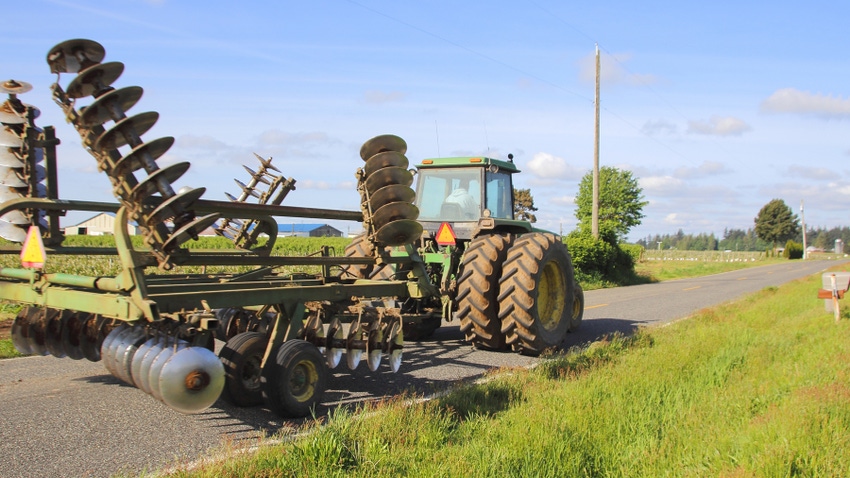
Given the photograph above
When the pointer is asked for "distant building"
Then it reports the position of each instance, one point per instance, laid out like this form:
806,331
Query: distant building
99,225
307,230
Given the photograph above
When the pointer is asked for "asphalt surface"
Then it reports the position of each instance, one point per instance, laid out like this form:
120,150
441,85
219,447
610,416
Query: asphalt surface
60,417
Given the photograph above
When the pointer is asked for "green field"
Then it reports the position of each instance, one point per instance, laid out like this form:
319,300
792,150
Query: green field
759,387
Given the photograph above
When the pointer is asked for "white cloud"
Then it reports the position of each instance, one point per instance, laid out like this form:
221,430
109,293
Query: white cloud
794,101
652,128
707,168
380,97
612,70
719,126
660,185
812,172
563,200
547,166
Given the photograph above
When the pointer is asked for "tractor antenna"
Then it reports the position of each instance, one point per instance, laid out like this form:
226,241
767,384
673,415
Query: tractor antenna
437,132
486,137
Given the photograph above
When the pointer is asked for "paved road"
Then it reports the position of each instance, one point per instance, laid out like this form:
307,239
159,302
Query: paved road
59,417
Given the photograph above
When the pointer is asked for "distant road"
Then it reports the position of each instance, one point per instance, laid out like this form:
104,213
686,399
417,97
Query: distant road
63,418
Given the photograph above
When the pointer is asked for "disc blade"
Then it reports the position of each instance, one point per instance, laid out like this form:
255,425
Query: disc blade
394,212
159,362
191,380
379,144
333,353
177,203
390,194
37,333
72,56
71,336
385,159
90,80
136,363
143,153
11,177
146,362
107,344
55,322
92,335
353,357
17,218
387,176
190,230
122,132
149,186
9,115
125,351
395,346
110,107
9,159
10,138
19,331
373,347
398,233
11,232
15,87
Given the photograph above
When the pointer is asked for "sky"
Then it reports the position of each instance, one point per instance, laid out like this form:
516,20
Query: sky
715,107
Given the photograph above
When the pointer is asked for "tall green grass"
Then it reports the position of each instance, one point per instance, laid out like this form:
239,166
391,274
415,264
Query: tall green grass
755,388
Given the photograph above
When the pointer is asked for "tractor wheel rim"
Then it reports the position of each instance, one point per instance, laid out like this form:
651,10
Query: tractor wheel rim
550,305
302,380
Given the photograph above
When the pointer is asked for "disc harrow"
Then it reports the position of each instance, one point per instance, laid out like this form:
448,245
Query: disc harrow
165,217
22,173
267,188
282,330
386,197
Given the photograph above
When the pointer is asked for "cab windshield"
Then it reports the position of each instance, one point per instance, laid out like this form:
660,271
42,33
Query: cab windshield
456,194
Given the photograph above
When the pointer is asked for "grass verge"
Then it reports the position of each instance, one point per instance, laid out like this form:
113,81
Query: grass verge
754,388
656,271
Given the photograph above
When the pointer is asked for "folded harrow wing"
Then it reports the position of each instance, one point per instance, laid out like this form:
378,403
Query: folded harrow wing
156,330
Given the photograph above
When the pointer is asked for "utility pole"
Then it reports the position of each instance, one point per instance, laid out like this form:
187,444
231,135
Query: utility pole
803,216
594,221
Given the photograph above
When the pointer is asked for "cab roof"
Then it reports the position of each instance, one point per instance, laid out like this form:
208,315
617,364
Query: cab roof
467,161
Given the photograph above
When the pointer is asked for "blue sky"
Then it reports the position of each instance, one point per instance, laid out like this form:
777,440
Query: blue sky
716,108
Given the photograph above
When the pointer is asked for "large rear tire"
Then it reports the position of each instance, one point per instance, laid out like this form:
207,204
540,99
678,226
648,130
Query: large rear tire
478,291
242,356
359,247
536,293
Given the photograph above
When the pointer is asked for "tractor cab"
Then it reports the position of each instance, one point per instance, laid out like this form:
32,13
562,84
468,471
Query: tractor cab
464,192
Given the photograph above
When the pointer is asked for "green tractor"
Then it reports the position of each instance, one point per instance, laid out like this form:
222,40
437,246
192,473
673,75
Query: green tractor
508,283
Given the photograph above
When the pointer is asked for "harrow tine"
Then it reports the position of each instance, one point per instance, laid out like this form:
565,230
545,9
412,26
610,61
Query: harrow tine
266,163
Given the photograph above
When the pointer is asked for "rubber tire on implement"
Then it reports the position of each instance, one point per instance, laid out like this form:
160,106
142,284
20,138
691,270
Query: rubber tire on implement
241,357
296,381
578,308
478,291
536,293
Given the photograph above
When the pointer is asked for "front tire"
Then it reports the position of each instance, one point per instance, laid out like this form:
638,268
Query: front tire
578,308
536,293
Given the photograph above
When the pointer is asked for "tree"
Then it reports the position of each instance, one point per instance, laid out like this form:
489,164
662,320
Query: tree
524,205
620,203
776,222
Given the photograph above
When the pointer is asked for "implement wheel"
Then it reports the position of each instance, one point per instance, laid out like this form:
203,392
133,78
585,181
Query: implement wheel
296,381
478,291
578,308
536,293
241,357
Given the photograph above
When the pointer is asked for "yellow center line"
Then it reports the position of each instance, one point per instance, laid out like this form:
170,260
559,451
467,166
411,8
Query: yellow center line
692,288
594,306
742,278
